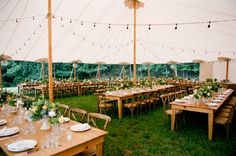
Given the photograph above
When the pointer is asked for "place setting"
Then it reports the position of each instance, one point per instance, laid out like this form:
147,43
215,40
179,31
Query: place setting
80,127
22,145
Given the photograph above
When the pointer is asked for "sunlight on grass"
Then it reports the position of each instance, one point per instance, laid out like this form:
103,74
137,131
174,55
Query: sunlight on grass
147,134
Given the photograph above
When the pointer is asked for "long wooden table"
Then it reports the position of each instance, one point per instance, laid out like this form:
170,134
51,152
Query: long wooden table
201,108
79,143
126,94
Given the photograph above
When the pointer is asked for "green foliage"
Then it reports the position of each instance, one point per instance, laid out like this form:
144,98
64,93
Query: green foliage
42,108
19,71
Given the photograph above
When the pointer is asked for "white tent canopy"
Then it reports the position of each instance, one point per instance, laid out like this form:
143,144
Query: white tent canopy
102,30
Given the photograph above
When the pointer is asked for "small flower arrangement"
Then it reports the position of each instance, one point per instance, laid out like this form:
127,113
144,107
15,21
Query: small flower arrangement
43,108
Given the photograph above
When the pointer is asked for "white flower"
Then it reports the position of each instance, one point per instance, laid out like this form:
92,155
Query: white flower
52,113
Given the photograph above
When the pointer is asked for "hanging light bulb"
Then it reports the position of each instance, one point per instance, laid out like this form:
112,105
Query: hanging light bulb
70,20
209,24
61,18
109,26
127,26
94,25
149,27
16,20
176,26
81,22
33,17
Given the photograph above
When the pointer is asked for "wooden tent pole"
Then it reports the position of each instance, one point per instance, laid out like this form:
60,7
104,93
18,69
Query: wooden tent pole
134,70
42,66
227,70
98,71
50,51
74,67
1,85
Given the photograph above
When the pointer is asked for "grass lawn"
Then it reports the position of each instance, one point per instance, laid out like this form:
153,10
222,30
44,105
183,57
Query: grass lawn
147,134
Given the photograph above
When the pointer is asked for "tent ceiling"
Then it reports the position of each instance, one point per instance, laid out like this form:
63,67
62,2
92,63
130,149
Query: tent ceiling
101,30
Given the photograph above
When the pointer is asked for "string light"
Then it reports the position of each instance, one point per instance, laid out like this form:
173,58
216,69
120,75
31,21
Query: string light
16,20
94,25
109,26
176,26
209,24
81,22
149,27
33,17
127,26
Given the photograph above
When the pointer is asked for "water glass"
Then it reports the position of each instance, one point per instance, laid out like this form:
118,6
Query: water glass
69,135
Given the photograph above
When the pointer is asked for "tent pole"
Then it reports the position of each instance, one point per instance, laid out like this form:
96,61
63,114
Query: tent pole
74,67
42,71
227,70
148,71
98,72
50,52
1,85
134,70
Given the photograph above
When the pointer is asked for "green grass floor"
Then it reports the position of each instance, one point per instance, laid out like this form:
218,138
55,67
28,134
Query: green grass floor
147,135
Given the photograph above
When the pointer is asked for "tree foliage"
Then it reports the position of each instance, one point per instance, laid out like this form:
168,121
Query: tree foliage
19,71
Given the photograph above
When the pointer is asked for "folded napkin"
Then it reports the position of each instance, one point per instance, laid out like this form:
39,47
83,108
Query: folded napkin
2,121
22,145
80,127
9,131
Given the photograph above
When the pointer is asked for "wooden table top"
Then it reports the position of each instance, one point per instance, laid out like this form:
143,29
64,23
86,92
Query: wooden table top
213,104
78,138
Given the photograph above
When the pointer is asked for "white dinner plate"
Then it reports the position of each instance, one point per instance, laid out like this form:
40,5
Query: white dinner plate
22,145
9,131
80,127
2,122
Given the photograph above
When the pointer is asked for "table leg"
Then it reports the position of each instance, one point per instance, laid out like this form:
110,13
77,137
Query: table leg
99,150
120,108
173,120
210,125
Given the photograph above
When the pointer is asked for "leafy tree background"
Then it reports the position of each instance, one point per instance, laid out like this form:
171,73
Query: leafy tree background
19,71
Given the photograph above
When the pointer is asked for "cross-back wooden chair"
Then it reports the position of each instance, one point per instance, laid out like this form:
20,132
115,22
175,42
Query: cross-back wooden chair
224,118
93,118
134,103
64,109
103,104
78,114
166,98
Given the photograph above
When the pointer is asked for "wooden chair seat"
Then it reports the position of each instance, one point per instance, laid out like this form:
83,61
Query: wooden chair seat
105,105
225,110
223,114
169,112
221,120
129,105
228,106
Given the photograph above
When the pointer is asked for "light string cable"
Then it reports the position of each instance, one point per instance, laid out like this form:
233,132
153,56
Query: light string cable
40,35
66,33
18,23
8,17
88,33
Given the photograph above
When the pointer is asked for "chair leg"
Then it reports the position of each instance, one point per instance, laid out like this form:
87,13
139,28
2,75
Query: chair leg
227,130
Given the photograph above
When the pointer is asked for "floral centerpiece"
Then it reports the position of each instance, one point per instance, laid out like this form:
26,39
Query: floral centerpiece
43,108
203,92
